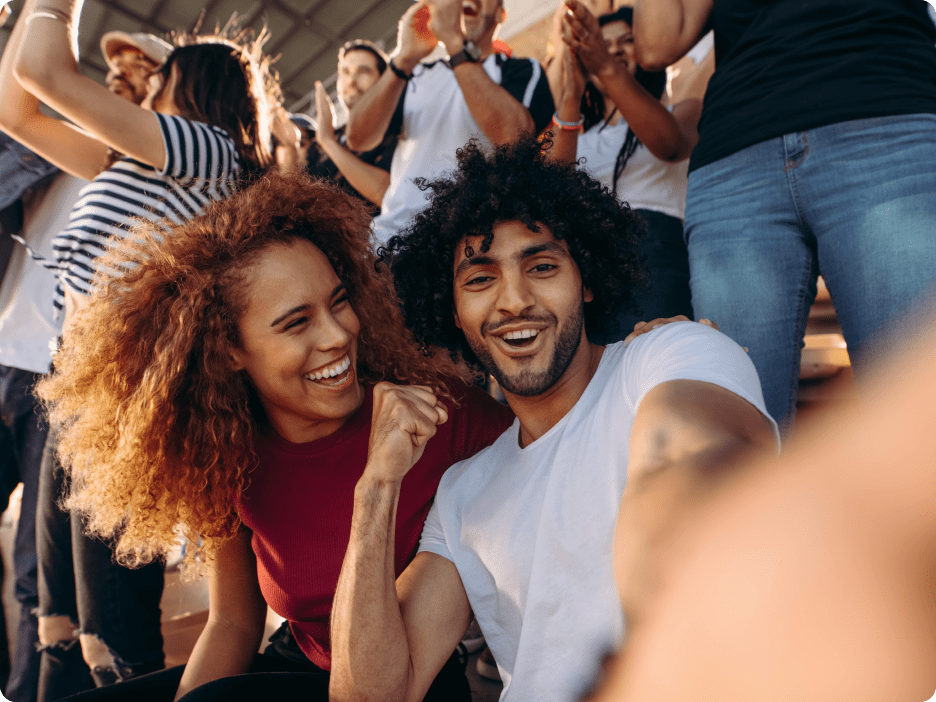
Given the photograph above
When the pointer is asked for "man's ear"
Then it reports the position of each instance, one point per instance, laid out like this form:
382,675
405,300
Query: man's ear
587,295
501,14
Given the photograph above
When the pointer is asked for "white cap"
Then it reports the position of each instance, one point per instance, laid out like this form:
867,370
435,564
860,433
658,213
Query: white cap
153,48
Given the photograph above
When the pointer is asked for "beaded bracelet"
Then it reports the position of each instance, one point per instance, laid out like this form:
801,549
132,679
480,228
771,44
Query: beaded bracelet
399,72
568,126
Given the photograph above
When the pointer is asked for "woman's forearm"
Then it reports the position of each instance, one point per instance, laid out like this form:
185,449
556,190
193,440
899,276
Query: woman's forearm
16,104
49,50
220,652
664,30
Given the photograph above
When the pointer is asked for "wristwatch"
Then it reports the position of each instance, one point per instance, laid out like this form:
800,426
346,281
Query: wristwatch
470,52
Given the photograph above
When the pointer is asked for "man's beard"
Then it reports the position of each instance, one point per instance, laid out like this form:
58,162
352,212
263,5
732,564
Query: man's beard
528,383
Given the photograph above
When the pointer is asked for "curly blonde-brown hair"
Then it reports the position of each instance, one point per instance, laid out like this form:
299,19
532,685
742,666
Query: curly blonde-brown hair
157,430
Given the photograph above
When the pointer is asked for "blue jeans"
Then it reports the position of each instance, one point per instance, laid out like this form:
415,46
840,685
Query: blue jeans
854,201
22,437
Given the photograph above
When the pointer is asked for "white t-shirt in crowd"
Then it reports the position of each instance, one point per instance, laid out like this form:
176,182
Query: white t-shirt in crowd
436,122
28,327
530,529
646,183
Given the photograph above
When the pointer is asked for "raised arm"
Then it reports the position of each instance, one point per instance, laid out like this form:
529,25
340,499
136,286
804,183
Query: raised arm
568,106
499,114
685,436
236,618
46,66
670,136
664,30
58,142
389,640
371,114
368,180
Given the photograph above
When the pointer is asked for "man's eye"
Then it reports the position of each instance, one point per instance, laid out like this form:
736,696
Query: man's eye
478,279
543,268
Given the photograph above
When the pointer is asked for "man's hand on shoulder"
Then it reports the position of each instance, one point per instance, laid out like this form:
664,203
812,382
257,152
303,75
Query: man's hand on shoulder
404,419
643,327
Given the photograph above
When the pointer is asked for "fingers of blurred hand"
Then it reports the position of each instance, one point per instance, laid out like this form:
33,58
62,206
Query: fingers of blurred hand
5,13
709,323
323,109
643,327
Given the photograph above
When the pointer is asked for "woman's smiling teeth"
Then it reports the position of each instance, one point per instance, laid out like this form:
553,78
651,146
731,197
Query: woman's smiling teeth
332,371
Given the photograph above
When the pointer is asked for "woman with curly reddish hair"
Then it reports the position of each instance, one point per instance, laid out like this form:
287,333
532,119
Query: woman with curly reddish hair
225,379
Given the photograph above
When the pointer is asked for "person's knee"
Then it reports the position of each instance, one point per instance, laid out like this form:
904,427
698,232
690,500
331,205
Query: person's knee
57,631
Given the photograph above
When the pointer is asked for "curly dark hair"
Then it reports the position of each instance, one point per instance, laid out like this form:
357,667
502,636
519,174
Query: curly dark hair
513,182
157,428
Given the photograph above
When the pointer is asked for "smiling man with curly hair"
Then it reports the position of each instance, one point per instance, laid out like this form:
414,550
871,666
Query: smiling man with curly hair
516,262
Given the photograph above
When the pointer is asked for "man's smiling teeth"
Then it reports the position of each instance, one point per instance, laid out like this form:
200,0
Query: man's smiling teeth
522,334
331,371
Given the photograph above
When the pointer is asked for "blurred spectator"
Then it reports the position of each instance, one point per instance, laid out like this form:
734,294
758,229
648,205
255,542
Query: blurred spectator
35,204
367,174
441,105
806,164
632,143
169,160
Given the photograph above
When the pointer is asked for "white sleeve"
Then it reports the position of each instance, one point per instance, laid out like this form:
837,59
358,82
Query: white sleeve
690,351
433,538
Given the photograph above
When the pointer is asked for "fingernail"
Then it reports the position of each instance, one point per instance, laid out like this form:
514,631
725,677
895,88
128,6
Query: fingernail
640,324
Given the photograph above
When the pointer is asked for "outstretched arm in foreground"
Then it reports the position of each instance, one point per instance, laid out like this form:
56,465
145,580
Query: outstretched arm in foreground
390,639
810,578
686,434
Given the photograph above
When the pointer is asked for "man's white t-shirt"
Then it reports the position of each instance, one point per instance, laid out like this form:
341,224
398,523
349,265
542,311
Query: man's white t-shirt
530,529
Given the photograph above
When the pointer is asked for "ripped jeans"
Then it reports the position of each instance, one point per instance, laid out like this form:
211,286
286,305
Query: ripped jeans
106,617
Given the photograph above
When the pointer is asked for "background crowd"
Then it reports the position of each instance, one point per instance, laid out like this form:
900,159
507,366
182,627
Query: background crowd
803,143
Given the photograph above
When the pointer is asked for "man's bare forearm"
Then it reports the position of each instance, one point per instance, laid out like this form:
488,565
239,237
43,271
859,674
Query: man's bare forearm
366,614
370,117
501,117
653,507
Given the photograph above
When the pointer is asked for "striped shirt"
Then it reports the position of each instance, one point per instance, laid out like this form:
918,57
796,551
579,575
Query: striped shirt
201,166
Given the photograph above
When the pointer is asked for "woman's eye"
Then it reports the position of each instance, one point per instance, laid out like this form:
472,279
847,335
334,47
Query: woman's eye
294,323
341,300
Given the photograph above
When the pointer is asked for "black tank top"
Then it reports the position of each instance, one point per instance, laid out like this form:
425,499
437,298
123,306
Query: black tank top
790,65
